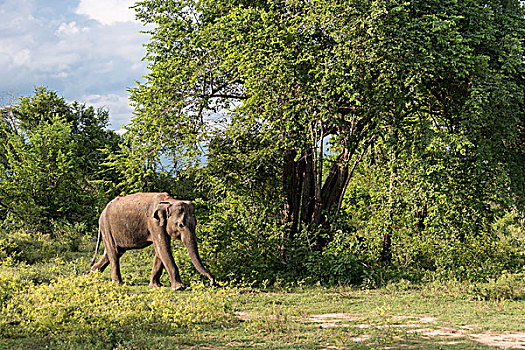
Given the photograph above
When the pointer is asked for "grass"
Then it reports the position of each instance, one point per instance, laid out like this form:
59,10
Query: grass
53,304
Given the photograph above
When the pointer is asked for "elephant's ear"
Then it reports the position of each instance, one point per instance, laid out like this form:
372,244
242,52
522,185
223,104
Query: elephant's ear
159,213
191,207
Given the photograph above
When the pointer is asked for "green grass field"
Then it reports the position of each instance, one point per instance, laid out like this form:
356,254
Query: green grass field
54,305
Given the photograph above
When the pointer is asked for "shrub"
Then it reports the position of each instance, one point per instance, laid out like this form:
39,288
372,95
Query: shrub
11,285
239,242
22,246
90,308
336,264
505,287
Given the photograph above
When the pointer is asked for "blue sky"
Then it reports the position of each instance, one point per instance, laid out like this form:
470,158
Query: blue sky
88,50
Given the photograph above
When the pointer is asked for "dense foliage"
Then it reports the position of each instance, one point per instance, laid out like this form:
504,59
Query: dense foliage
346,142
322,141
51,161
339,135
87,312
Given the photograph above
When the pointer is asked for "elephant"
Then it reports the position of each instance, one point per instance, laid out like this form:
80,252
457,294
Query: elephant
138,220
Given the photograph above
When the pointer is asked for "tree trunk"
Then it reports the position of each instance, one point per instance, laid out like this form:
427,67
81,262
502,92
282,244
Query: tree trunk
386,251
421,215
308,191
292,188
336,180
307,199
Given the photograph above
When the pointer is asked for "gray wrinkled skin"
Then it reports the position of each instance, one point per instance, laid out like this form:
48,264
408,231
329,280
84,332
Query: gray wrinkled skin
139,220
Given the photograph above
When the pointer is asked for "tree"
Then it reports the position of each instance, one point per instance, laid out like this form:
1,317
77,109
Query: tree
51,160
89,131
348,73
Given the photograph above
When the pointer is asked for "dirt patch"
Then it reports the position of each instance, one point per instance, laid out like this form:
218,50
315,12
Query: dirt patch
440,332
422,326
242,316
503,341
331,320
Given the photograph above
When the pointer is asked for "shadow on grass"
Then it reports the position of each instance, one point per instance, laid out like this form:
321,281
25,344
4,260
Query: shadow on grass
237,336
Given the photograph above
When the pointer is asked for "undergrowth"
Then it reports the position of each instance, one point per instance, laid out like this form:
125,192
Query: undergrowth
90,307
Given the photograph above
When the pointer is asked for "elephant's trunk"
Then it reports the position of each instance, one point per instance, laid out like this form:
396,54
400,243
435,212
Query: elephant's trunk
190,241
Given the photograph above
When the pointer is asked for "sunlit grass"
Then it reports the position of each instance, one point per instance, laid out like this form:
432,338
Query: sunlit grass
55,304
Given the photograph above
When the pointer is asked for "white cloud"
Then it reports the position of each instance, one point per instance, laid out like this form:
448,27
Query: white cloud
47,43
22,57
119,108
70,28
61,75
107,12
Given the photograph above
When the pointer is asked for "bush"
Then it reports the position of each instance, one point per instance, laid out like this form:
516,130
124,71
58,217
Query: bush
505,287
22,246
239,242
336,264
86,307
11,285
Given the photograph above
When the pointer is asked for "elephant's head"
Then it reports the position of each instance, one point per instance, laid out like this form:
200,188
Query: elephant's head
178,219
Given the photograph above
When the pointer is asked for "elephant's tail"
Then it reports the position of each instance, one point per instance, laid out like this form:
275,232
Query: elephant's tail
96,247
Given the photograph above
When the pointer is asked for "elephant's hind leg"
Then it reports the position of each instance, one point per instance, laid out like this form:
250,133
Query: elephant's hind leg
113,253
114,260
156,271
101,264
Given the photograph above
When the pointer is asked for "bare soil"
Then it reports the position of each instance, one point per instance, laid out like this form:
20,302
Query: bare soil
426,327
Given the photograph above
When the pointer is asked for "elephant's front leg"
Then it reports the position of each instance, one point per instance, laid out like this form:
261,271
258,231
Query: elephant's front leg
156,272
163,252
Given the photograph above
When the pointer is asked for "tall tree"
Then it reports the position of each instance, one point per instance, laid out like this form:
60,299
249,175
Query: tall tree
89,131
52,160
345,72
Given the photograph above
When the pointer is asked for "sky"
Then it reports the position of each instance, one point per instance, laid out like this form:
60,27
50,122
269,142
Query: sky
88,51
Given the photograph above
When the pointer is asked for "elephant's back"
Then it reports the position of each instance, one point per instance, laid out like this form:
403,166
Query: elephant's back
137,204
126,217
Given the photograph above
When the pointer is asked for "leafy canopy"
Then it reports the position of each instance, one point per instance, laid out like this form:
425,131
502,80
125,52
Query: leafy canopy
51,160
